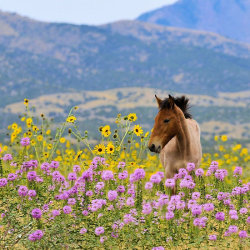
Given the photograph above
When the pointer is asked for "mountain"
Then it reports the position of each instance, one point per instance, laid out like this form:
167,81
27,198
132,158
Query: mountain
230,18
44,58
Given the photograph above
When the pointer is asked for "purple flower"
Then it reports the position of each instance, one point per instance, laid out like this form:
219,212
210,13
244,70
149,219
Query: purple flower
120,189
130,202
208,207
76,168
55,212
7,157
243,234
72,176
212,237
83,230
11,177
196,195
31,176
196,210
89,193
36,213
170,183
123,175
54,164
121,164
25,141
85,212
112,195
3,182
32,237
107,175
146,208
190,167
232,229
99,230
71,201
243,210
23,191
199,172
99,185
169,215
220,216
148,185
155,178
32,193
158,248
238,171
38,234
67,209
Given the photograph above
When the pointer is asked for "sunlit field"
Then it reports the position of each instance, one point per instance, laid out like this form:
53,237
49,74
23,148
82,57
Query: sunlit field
60,190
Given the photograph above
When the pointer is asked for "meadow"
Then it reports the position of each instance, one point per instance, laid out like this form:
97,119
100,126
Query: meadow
60,190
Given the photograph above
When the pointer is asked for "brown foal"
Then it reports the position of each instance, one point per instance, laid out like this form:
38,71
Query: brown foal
175,136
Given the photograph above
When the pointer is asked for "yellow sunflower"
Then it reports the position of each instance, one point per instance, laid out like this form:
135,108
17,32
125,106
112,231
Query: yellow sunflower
106,131
138,130
71,119
39,137
26,102
110,148
62,140
99,149
224,138
132,117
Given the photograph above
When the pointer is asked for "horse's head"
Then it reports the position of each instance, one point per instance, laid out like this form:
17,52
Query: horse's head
165,125
166,121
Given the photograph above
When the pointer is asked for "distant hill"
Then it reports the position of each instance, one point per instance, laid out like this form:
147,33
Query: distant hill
38,58
230,18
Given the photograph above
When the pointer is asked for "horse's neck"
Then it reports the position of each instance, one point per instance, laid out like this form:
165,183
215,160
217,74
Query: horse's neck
183,137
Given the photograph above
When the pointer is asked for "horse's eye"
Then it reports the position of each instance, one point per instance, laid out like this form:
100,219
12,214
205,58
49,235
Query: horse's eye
166,121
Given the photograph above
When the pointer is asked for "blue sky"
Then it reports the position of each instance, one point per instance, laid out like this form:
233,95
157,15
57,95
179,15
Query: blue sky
82,11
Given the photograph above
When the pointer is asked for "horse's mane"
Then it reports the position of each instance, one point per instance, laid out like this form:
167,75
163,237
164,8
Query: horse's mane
182,102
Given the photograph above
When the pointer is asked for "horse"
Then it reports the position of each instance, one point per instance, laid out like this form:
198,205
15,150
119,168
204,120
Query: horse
175,135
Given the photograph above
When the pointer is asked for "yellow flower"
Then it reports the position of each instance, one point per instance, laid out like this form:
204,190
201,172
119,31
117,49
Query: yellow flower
33,142
29,134
26,102
48,132
221,148
244,151
138,130
49,146
29,122
35,128
99,149
14,126
224,138
216,138
110,148
46,155
68,144
62,140
146,135
22,119
39,137
71,119
106,131
58,152
132,117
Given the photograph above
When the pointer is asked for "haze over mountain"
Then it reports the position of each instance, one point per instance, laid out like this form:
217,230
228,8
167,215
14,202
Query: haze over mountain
230,18
42,58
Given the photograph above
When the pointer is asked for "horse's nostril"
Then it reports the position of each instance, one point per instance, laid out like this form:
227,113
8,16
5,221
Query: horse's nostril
152,148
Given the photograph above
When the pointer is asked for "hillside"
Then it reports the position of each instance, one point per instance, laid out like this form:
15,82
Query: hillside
228,113
39,58
230,18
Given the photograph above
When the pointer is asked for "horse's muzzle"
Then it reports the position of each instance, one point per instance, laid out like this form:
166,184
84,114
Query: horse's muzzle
154,149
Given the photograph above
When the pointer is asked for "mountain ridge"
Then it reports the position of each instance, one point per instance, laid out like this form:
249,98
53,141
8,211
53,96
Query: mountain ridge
229,18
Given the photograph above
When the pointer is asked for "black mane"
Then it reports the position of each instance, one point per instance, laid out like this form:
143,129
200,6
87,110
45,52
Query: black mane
182,102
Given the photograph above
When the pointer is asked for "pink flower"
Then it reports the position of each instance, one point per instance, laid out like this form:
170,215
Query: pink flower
99,230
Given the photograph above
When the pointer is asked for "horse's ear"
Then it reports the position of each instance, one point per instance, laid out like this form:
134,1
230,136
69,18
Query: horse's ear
159,101
171,101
